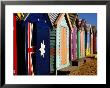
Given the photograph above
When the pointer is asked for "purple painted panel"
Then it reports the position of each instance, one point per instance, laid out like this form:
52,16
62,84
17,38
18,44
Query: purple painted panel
73,44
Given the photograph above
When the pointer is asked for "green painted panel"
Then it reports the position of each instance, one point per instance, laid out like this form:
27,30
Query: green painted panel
78,51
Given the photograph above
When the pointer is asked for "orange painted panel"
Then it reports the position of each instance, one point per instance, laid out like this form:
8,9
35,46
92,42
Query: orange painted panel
63,46
91,43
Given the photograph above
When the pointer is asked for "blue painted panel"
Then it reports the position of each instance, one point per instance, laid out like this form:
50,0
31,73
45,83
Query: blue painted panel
40,34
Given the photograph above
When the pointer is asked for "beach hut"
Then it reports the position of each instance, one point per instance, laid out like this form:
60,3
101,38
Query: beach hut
53,17
79,39
82,38
62,41
19,60
38,43
73,37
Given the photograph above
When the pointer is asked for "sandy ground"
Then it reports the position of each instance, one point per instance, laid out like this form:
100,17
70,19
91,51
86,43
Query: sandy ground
87,68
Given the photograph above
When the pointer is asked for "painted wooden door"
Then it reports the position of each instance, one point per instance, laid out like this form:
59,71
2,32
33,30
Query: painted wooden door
88,44
82,42
74,44
63,46
94,42
91,43
78,44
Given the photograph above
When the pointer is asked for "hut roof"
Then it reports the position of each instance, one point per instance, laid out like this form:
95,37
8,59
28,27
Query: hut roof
53,17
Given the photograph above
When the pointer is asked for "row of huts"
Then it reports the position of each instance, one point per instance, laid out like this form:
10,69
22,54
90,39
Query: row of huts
47,42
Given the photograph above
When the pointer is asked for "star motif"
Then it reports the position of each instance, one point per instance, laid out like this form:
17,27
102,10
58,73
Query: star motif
42,49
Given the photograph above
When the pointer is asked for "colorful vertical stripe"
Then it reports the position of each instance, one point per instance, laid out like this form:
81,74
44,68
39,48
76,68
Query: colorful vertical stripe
88,43
15,47
63,46
30,49
52,51
82,35
91,42
78,49
74,44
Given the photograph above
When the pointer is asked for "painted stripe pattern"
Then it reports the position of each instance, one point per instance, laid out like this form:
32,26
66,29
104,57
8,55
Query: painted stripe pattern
30,49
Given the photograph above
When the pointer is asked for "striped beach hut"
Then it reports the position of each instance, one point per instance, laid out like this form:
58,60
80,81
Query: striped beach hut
53,17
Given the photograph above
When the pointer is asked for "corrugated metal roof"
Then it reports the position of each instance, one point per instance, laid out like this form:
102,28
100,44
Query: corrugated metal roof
53,17
72,16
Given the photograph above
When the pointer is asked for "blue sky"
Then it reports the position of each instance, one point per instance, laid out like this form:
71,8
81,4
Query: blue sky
91,18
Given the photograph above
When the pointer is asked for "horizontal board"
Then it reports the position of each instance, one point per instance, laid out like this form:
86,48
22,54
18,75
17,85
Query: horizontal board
52,41
52,38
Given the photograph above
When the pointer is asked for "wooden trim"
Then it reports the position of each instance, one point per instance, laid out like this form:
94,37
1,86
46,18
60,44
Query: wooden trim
58,20
26,17
69,21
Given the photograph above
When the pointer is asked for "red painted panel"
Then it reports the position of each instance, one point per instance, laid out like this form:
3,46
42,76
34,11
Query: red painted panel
15,47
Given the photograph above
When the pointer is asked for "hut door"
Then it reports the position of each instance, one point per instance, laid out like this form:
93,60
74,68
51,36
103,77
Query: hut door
43,52
63,46
73,44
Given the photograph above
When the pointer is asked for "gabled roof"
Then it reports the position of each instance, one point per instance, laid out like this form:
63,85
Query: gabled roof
69,21
21,16
53,17
26,15
88,27
72,17
59,18
94,29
